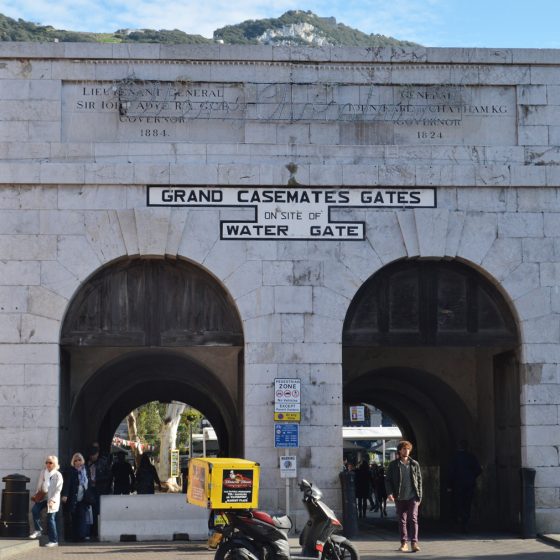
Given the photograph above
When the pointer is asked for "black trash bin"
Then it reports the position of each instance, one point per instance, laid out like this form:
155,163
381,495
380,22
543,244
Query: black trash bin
528,518
349,511
14,521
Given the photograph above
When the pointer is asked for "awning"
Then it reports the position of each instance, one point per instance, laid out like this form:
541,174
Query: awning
371,433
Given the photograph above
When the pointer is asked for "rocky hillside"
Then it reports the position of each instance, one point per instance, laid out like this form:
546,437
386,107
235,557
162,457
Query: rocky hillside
295,27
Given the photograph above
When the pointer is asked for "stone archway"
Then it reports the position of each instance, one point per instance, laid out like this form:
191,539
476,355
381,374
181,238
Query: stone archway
150,329
433,344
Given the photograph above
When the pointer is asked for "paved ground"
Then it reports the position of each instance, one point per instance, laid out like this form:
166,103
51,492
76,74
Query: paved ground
374,543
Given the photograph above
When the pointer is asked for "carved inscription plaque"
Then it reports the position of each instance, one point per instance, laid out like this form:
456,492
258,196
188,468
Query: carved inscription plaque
137,111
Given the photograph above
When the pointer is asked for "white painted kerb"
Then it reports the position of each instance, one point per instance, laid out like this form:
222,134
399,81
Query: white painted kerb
151,517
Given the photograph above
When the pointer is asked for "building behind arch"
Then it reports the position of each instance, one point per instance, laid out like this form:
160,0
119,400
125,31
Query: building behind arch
198,221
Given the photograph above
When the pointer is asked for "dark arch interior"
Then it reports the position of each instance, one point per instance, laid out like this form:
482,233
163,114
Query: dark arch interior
429,414
419,402
151,302
432,344
149,329
121,386
429,303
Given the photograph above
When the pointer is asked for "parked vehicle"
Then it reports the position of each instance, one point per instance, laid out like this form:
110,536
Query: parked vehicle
256,535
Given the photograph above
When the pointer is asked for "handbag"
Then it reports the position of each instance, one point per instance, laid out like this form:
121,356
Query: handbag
90,497
39,496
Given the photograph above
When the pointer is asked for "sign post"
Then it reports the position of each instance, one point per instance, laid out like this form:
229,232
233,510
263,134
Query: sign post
287,408
288,470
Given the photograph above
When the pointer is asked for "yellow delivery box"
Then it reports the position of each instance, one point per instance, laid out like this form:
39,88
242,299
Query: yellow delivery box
223,483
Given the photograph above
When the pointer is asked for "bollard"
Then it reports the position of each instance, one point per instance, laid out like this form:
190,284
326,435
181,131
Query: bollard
528,521
349,511
14,521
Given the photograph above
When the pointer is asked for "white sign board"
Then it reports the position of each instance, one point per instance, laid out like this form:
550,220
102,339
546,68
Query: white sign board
291,213
288,466
357,413
287,395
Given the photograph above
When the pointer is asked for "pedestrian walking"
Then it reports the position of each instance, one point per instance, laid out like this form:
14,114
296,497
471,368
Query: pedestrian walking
404,487
47,496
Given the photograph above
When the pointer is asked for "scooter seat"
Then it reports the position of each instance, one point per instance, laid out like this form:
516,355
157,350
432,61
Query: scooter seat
282,522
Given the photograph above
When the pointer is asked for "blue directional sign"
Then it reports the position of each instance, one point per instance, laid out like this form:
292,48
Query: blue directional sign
286,435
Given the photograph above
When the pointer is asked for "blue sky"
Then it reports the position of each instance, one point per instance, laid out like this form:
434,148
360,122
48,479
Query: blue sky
434,23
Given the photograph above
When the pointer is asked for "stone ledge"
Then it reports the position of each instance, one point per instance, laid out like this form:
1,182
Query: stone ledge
244,53
266,174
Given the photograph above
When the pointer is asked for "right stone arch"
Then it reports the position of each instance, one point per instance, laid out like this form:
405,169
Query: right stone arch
433,343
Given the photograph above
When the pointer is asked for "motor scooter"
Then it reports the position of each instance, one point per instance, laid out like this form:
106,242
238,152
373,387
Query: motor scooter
256,535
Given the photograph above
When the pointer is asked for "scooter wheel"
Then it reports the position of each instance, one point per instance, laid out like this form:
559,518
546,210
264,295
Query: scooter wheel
341,550
234,551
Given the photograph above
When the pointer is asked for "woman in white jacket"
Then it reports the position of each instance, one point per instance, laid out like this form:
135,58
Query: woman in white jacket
47,496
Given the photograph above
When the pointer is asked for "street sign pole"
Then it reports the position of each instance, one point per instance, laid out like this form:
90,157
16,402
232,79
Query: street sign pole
287,490
287,409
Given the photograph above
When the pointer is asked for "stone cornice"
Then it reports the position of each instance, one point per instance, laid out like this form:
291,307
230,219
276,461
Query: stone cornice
267,54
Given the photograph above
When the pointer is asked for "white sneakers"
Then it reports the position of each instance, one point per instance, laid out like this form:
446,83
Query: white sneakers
37,534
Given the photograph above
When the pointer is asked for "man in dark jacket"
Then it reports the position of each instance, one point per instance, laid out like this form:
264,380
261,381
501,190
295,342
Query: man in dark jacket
404,487
100,481
463,472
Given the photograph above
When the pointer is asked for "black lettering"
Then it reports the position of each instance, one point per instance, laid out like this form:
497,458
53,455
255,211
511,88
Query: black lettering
378,198
343,196
415,197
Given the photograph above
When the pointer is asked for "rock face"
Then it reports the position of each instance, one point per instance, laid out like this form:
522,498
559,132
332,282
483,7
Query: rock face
192,223
297,28
293,33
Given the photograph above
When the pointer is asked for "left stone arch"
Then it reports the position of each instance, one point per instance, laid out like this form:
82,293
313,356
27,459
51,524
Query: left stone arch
146,329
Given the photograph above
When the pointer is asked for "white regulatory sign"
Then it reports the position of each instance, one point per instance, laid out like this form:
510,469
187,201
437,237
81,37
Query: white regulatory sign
287,395
288,466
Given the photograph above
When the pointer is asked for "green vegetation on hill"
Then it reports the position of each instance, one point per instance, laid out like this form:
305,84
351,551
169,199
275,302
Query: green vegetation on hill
334,33
247,32
164,36
20,30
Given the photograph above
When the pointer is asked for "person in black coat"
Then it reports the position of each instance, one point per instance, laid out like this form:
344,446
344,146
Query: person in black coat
146,476
363,486
463,472
123,475
380,490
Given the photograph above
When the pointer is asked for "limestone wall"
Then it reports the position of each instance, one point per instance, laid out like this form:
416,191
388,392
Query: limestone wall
84,128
